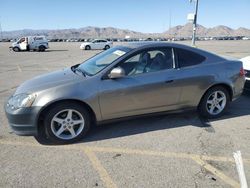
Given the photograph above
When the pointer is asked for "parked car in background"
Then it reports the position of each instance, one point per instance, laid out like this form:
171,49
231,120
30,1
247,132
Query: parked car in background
246,65
130,80
246,38
98,44
35,43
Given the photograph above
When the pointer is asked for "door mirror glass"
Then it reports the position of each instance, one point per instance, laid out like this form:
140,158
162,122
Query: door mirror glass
117,72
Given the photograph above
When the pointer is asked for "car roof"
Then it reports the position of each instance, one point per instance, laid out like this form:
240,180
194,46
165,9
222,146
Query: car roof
149,44
154,44
99,39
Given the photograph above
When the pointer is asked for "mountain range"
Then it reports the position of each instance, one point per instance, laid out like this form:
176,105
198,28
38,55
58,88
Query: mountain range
218,31
110,32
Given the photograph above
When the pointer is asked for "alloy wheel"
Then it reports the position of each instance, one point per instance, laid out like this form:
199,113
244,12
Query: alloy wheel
216,102
67,124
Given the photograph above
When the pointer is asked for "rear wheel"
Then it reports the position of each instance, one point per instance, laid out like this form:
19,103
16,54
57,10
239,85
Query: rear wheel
106,47
88,48
16,49
41,48
66,123
214,102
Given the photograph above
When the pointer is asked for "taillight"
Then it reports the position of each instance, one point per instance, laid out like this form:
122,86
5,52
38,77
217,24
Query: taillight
242,72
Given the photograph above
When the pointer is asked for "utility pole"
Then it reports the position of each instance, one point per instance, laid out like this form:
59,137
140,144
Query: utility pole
170,24
195,21
1,32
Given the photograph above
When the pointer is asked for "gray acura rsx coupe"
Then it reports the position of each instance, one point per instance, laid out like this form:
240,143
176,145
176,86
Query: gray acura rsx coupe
130,80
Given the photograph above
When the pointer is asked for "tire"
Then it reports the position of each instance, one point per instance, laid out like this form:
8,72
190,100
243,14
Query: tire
41,48
106,47
16,49
211,106
87,47
62,127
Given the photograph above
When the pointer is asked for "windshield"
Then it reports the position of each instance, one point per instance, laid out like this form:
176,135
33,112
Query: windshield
97,63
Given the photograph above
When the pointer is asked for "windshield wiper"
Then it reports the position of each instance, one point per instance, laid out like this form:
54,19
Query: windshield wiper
81,71
75,68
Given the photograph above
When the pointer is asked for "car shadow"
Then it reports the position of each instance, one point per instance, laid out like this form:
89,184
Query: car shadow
145,124
238,108
56,50
136,126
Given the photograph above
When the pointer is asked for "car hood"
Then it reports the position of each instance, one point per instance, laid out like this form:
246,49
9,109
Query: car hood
246,62
14,44
49,80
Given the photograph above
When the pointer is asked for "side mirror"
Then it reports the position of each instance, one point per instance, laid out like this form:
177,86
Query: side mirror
117,72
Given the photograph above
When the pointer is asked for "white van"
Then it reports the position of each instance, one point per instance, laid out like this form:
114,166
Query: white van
35,43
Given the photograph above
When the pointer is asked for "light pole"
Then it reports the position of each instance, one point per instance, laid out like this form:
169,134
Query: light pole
1,32
195,21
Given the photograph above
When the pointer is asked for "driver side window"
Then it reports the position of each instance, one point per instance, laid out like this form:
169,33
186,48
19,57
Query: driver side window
149,61
21,40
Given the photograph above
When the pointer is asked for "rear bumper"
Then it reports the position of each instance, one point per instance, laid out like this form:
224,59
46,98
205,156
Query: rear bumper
238,87
23,121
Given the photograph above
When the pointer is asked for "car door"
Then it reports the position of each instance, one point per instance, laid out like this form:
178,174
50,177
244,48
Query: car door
32,43
102,44
194,76
95,45
146,88
23,43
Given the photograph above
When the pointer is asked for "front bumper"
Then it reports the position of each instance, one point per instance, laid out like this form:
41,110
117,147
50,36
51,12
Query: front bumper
23,121
82,47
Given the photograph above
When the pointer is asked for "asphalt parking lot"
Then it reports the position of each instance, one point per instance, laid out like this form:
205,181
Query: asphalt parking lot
175,150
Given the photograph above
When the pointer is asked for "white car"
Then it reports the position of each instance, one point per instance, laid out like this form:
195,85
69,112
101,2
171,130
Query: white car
97,44
246,66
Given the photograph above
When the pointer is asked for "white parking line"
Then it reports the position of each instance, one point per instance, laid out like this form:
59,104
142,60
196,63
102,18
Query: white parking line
240,169
91,150
19,68
99,168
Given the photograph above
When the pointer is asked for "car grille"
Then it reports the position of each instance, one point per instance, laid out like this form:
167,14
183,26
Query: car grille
247,73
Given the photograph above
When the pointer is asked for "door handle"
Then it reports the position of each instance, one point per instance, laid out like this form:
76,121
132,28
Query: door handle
169,81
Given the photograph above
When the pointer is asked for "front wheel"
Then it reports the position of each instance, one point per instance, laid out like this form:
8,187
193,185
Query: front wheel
87,48
16,49
66,123
214,102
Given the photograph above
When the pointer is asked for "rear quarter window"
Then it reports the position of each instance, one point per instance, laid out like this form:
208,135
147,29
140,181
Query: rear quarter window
188,58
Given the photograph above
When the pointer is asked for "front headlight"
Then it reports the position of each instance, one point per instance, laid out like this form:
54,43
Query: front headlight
21,100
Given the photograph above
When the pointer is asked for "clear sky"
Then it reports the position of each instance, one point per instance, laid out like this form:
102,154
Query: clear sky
138,15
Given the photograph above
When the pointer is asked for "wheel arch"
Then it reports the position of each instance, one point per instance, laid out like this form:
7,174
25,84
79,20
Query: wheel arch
87,45
41,113
41,45
225,85
17,48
